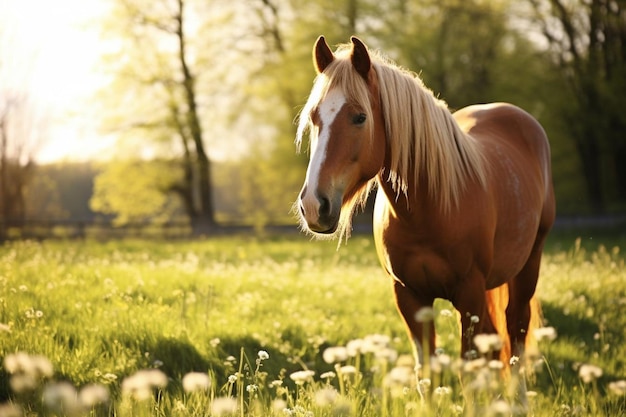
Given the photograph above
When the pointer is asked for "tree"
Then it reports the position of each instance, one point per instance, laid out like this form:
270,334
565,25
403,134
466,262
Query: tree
140,200
156,94
587,43
22,129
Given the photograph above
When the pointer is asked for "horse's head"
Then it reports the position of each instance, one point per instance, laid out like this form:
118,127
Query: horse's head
347,146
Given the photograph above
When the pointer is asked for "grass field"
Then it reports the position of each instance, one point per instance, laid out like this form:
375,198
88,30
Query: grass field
239,326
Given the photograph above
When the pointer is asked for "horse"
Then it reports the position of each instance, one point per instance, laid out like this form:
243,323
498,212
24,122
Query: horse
464,200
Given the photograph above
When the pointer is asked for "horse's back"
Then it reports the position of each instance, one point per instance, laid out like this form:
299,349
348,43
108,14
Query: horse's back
507,131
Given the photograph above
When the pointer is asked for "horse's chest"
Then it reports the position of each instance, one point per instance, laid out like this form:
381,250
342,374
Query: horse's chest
418,268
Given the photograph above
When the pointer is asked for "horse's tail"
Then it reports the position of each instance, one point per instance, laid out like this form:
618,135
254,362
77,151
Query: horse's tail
497,301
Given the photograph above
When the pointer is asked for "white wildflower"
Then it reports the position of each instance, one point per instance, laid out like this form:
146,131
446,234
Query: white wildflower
618,387
263,355
589,373
545,333
443,391
400,375
487,342
10,410
424,315
61,398
325,397
328,375
474,319
93,394
196,381
223,406
141,384
300,377
348,370
500,408
335,354
354,347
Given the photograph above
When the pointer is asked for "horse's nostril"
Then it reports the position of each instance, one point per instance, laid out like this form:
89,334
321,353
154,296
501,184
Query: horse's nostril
324,206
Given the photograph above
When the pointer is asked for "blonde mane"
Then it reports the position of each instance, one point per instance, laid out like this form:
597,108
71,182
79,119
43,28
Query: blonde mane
423,137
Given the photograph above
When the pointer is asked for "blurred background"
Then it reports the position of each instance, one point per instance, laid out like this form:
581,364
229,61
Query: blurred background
176,117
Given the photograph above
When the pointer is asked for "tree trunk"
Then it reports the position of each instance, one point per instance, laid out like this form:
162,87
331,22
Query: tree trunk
205,217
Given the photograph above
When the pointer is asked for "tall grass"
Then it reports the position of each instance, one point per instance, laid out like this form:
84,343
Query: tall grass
239,326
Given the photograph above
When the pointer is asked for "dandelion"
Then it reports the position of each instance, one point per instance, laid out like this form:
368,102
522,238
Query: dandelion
93,394
109,377
223,406
354,347
300,377
474,319
545,333
424,385
531,394
328,375
387,354
326,397
196,381
500,408
495,365
514,360
589,373
141,384
443,391
375,342
400,375
348,370
618,387
10,410
487,342
276,383
252,388
263,355
335,354
232,378
474,365
279,405
26,370
425,314
443,359
61,398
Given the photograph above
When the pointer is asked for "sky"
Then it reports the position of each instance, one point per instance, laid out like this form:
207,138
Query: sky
53,50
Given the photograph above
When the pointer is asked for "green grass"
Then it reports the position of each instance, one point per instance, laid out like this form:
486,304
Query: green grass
100,312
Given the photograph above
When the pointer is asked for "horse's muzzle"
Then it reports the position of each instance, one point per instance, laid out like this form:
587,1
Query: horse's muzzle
319,212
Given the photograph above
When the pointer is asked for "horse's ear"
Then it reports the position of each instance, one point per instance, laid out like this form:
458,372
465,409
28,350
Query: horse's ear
360,57
322,55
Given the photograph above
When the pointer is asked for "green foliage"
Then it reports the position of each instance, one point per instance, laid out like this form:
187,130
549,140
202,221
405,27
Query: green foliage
136,191
101,312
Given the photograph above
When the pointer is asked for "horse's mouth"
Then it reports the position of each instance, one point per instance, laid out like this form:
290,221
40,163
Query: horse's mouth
324,228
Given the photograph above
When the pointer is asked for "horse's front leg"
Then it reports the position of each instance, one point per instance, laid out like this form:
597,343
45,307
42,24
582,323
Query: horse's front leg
471,302
416,311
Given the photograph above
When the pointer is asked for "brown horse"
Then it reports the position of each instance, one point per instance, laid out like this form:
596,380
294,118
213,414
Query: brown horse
464,201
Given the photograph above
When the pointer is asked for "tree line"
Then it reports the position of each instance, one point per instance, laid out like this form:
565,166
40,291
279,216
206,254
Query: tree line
205,82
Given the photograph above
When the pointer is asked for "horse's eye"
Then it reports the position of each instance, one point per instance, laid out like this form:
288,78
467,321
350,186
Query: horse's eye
359,119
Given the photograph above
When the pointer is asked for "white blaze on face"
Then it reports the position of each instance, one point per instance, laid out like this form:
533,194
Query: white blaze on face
328,110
